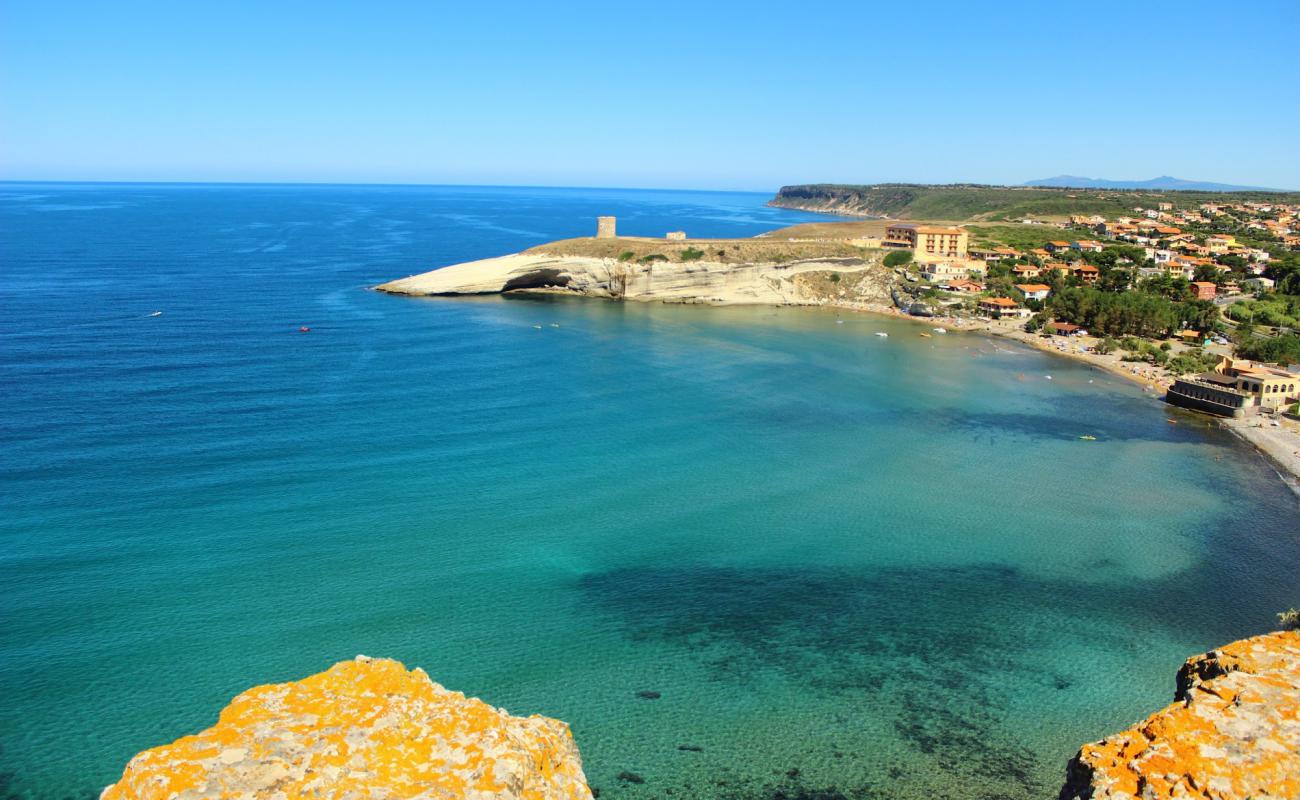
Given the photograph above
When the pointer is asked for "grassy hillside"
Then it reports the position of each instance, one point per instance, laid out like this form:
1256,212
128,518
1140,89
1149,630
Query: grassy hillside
992,203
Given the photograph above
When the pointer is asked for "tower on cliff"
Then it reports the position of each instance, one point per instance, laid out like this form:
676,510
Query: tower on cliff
605,227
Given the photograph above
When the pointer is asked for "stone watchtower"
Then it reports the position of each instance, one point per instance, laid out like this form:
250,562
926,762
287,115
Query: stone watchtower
605,228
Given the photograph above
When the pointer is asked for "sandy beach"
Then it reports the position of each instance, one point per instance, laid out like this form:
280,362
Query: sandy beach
1279,442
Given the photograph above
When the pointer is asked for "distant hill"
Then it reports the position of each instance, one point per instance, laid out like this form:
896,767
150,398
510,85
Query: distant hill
1164,182
973,202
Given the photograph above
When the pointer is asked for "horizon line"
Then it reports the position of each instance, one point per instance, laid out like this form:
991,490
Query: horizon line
375,183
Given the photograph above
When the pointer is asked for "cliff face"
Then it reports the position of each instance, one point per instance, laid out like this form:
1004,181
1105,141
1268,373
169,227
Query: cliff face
855,201
365,728
669,281
1233,731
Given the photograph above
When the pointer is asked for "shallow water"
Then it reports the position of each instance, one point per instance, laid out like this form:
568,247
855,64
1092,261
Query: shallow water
877,567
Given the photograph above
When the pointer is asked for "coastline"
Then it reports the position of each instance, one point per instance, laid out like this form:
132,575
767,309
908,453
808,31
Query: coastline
793,283
1280,445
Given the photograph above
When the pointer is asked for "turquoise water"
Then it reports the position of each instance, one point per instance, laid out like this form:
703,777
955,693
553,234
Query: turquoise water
862,566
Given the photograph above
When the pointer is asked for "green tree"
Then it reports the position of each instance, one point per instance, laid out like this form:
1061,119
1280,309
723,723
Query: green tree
898,258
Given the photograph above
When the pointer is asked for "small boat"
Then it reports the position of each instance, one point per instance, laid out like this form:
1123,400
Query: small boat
1171,421
1088,438
304,329
839,322
1049,377
882,334
926,335
940,330
555,324
156,314
538,327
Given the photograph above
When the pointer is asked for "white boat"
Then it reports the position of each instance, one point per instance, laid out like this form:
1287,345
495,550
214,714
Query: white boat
940,330
156,314
882,334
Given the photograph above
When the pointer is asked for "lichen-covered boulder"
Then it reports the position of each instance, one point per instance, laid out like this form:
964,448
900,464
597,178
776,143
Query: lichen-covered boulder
1233,731
366,728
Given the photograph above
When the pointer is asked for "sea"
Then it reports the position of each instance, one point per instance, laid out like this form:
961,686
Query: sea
745,552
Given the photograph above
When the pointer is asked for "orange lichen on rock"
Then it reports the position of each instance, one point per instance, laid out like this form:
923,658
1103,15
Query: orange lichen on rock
1233,731
366,728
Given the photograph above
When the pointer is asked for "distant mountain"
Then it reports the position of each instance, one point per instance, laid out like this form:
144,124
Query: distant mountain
1164,182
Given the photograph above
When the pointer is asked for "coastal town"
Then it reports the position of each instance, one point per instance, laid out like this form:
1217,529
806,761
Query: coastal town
1198,303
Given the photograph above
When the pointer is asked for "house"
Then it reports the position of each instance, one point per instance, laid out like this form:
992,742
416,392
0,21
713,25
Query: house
1034,291
1053,247
1165,206
1027,271
1088,246
1064,329
1086,273
998,307
939,271
1204,290
1258,284
1220,243
1165,230
927,242
963,285
993,253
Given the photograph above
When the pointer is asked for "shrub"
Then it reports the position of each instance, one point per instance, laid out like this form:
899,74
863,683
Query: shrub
626,255
652,258
898,258
691,254
1290,619
1107,345
835,277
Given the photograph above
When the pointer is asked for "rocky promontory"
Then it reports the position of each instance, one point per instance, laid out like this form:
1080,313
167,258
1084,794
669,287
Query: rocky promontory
1233,731
715,271
366,728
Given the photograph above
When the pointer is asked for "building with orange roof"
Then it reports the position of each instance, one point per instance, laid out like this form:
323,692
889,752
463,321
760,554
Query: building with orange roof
928,242
1204,290
1034,291
998,307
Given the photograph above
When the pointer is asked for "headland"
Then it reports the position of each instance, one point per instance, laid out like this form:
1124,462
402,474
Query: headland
1116,302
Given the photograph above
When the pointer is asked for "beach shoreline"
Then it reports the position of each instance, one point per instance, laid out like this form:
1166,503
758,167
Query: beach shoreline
1279,444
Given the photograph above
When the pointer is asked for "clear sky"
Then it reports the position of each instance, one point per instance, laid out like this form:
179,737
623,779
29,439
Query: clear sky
657,94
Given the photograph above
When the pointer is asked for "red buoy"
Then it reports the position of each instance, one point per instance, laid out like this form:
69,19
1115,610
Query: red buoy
303,329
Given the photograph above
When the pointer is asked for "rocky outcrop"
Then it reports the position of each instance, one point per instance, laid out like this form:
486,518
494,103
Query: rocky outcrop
699,281
367,728
1233,731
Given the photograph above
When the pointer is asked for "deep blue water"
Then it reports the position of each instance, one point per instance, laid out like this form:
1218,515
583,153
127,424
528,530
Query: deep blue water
883,567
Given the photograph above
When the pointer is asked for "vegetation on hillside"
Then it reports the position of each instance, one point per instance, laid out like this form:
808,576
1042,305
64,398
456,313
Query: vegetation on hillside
974,201
1276,310
1137,313
1284,349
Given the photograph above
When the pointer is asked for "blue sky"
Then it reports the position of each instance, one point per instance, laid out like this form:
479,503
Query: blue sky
664,94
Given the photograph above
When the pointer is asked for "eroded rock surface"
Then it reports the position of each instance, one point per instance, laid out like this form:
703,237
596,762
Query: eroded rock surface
366,728
1233,731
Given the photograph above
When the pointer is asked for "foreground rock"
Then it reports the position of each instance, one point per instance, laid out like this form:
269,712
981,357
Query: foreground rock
1232,732
364,729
